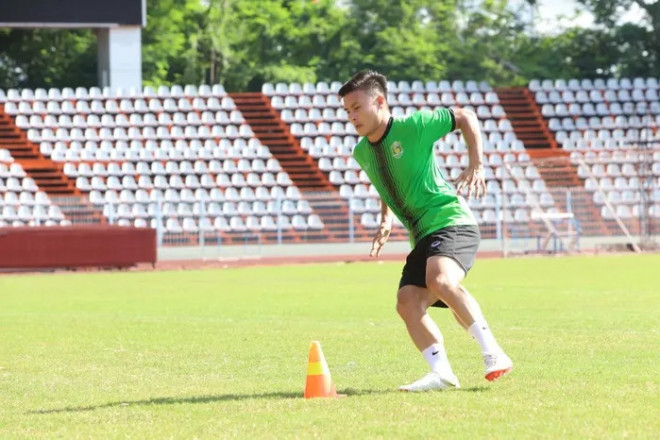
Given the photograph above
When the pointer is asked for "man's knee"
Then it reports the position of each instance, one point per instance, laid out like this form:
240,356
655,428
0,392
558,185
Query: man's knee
444,275
409,302
443,284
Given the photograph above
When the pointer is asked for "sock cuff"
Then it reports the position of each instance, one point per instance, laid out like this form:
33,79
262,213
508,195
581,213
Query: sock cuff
476,327
433,348
480,332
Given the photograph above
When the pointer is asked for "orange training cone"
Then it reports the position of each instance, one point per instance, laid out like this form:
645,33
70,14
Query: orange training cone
319,382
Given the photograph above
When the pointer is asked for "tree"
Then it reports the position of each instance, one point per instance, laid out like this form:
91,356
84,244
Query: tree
244,43
490,36
403,39
166,41
47,58
639,43
248,43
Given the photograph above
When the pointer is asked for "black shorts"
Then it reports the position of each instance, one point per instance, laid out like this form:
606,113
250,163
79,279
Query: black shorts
459,243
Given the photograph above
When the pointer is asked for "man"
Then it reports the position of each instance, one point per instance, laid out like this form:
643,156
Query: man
397,155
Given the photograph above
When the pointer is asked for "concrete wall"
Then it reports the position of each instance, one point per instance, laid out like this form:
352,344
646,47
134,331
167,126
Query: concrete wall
120,57
76,246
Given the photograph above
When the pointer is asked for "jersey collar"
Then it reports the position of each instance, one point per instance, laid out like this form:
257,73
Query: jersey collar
387,131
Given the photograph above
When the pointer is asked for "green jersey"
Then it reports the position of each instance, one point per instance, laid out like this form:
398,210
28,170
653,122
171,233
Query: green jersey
403,169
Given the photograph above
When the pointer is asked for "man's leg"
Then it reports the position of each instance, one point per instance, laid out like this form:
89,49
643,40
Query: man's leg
459,320
412,305
443,278
412,302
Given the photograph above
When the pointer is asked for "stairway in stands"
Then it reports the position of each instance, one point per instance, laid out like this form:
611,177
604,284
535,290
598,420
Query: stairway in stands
526,118
552,161
303,170
47,174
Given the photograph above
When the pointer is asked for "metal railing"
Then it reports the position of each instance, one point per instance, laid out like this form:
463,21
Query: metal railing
519,222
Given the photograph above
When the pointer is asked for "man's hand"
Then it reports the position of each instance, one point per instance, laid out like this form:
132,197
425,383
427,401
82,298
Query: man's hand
473,179
381,237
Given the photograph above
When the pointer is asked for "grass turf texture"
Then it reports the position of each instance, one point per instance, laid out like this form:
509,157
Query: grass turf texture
222,353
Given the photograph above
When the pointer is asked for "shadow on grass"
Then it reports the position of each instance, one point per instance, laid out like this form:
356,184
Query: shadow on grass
197,399
352,392
172,401
480,389
223,398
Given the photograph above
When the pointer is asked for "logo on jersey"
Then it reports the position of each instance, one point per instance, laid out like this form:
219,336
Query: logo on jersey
397,150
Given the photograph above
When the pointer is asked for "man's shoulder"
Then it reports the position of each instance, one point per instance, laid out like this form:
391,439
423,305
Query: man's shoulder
410,118
409,125
420,115
401,121
439,119
416,118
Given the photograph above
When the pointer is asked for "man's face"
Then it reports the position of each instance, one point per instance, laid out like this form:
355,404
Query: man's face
362,109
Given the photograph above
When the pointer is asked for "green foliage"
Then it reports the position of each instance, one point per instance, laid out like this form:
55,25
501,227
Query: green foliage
166,41
244,43
47,58
404,39
637,45
636,50
284,41
488,43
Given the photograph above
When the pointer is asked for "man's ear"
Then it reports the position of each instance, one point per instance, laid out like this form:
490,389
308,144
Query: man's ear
380,99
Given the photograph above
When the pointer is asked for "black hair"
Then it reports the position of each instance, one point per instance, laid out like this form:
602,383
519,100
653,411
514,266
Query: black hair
366,80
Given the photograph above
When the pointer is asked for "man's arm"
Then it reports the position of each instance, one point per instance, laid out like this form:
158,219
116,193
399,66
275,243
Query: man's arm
384,229
472,177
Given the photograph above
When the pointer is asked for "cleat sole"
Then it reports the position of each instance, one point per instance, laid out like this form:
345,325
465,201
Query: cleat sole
494,375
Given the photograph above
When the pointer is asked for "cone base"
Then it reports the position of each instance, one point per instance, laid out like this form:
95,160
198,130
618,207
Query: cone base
336,396
319,386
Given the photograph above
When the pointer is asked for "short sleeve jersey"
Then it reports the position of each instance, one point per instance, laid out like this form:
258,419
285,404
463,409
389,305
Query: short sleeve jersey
403,169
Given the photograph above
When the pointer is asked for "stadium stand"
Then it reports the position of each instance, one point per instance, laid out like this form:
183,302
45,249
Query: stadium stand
328,209
610,129
188,160
181,155
21,202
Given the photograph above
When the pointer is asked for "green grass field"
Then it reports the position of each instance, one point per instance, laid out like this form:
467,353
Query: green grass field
223,353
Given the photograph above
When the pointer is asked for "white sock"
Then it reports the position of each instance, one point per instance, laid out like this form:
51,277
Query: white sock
480,331
436,356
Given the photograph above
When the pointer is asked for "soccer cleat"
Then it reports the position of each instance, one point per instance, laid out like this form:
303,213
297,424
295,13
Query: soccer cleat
497,365
432,381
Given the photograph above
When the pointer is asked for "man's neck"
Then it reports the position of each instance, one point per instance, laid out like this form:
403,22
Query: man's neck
380,131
